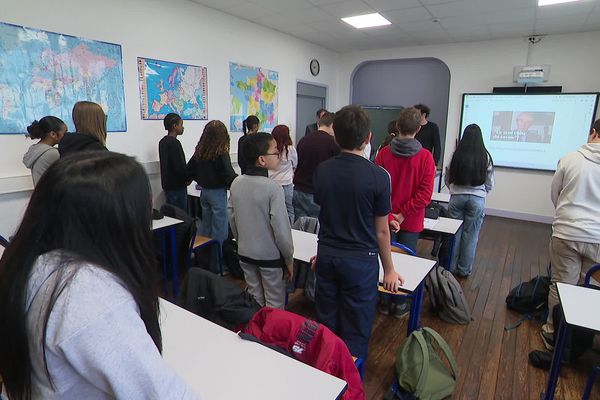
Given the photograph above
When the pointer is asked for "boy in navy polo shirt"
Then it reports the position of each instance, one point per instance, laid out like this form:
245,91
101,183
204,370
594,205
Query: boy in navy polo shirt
354,196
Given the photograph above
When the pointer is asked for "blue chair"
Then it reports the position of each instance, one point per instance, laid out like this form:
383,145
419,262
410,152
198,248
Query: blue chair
594,272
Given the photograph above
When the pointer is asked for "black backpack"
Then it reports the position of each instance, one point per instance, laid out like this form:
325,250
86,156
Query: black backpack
217,299
231,258
530,297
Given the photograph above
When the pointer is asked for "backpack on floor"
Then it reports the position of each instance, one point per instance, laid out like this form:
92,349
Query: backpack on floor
447,297
420,370
530,297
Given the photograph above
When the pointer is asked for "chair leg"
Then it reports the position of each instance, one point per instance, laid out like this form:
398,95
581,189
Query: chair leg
588,387
360,366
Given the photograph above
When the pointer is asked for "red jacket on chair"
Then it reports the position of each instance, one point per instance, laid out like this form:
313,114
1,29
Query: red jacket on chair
310,342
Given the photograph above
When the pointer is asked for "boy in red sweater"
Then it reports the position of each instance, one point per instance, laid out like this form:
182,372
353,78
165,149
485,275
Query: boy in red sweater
412,172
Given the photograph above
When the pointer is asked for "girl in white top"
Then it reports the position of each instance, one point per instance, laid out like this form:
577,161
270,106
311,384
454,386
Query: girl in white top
288,160
82,307
50,130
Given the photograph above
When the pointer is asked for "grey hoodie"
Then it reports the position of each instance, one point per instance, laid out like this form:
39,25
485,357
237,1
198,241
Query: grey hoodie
575,193
38,158
97,346
405,147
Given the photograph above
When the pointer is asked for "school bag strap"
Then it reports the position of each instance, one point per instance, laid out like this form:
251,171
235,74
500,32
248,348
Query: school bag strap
445,349
418,335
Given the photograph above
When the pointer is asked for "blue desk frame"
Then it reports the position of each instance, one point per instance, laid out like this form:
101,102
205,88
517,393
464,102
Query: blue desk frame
174,266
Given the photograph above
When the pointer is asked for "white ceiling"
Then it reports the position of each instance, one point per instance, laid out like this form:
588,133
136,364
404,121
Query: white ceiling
318,21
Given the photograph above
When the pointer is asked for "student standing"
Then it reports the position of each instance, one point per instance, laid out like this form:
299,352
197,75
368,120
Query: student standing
575,241
412,171
173,171
260,224
470,178
313,149
354,196
429,134
288,161
210,167
249,127
77,288
49,130
90,129
313,127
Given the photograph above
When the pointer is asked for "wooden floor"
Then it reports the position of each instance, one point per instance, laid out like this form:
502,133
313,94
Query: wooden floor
492,361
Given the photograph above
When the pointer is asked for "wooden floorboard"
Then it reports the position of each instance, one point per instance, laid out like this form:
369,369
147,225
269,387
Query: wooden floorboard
492,361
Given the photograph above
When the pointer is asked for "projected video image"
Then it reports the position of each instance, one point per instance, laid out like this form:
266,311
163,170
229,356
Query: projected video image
522,126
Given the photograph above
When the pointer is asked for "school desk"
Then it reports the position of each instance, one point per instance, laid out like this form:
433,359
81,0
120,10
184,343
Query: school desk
413,269
217,364
579,310
161,226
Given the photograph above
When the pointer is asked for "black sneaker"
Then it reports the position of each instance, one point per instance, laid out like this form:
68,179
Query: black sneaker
548,340
402,310
384,308
540,359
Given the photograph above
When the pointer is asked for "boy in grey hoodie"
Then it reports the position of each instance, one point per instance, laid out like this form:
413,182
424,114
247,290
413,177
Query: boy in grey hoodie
260,224
575,241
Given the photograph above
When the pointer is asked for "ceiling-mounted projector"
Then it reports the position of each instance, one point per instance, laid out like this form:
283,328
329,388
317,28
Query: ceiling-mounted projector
531,74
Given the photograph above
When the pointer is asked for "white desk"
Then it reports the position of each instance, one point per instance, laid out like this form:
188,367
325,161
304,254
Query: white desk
162,225
440,197
217,364
412,269
164,222
445,225
192,191
579,306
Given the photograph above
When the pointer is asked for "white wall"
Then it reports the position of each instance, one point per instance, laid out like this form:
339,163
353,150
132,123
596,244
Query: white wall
478,67
173,30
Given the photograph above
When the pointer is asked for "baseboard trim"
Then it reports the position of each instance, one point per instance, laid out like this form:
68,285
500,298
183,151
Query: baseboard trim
544,219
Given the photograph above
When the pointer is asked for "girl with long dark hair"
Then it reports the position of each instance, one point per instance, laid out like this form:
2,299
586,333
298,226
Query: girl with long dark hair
288,160
469,178
210,167
250,127
78,300
50,131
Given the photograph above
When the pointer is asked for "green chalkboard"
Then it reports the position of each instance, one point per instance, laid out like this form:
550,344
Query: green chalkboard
380,117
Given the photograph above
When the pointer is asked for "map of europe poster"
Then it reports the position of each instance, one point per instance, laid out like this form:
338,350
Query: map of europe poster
45,73
253,91
168,87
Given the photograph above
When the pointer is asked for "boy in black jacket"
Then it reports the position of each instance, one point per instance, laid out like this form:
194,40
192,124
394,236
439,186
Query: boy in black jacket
173,171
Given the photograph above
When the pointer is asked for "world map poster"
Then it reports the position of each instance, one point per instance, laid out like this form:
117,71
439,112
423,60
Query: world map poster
168,87
44,73
253,91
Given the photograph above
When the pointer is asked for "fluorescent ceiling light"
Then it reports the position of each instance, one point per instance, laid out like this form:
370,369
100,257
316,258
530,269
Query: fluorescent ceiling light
366,21
551,2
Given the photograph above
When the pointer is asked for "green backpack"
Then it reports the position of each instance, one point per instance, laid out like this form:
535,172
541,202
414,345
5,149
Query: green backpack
420,370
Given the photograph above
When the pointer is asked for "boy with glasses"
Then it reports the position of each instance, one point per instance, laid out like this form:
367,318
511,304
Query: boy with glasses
260,224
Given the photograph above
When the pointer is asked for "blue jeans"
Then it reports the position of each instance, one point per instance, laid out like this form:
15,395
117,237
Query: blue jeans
470,209
177,198
288,191
346,297
304,205
214,223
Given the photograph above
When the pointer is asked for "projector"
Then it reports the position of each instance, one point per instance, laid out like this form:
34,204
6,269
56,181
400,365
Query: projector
528,74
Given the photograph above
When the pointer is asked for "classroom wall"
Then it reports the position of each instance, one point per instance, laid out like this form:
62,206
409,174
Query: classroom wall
174,30
478,67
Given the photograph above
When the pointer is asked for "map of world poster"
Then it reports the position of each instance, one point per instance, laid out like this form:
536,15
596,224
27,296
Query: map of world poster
168,87
253,91
44,73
